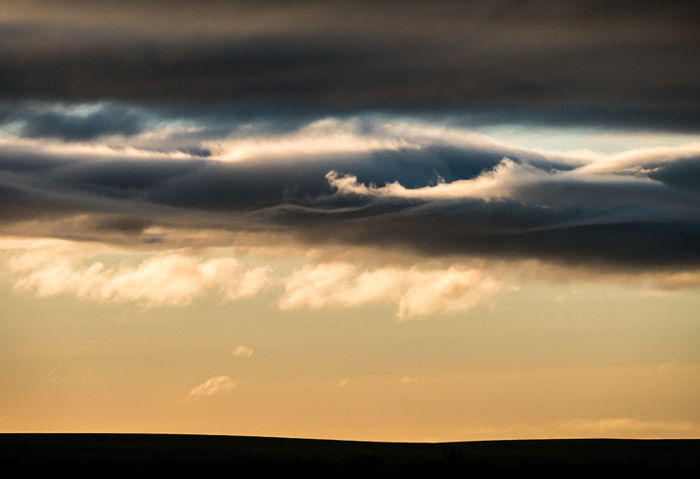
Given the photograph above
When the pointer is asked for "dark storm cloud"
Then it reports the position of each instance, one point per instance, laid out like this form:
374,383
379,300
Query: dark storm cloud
508,230
683,174
641,214
173,76
573,62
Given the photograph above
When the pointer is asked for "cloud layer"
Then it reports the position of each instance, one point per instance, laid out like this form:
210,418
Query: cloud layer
49,268
344,124
393,185
579,62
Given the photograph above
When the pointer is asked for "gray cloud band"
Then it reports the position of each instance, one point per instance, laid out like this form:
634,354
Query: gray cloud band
631,213
622,64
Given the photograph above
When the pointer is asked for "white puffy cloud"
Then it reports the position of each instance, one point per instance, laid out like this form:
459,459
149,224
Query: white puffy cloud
415,292
213,386
162,280
49,268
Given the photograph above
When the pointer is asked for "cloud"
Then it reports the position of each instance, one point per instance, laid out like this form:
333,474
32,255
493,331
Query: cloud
161,280
497,183
522,181
433,191
676,281
71,123
242,351
583,62
621,426
415,292
212,386
328,136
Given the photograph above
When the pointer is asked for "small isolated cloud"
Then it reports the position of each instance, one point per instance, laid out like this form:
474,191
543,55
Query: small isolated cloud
415,292
403,380
213,386
344,382
242,351
162,280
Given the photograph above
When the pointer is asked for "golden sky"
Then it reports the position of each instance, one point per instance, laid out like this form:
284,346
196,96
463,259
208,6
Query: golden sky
584,358
343,219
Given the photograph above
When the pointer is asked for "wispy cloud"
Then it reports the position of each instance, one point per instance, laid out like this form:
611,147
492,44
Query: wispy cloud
620,426
212,386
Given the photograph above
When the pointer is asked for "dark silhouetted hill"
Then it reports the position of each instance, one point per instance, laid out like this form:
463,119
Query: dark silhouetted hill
168,455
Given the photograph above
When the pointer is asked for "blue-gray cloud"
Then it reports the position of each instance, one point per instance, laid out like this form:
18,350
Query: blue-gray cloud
642,213
70,123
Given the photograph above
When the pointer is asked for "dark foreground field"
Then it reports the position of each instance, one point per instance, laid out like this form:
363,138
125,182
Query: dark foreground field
156,455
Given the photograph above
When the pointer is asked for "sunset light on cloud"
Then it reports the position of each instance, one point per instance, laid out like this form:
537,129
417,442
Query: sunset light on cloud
448,220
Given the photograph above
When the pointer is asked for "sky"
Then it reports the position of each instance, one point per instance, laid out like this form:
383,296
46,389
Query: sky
397,221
